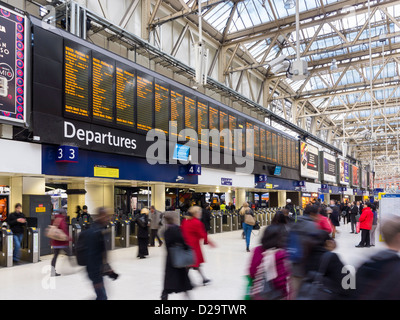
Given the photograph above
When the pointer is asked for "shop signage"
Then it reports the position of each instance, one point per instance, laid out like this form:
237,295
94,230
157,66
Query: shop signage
106,172
226,181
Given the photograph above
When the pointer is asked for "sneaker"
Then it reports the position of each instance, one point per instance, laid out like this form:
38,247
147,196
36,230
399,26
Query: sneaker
359,246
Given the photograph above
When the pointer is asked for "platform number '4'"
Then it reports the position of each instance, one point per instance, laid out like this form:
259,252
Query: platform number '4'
194,169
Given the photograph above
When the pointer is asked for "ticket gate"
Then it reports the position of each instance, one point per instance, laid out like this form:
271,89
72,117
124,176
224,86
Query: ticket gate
74,230
218,222
122,238
6,256
109,236
227,222
212,224
235,221
133,240
30,245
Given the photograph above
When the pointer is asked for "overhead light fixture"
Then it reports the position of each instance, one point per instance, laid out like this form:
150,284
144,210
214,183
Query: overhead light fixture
289,4
334,65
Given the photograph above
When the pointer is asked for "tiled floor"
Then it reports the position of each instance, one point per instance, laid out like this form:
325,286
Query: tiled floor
225,265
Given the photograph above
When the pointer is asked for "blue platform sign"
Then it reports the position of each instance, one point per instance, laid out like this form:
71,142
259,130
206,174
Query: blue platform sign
226,181
67,154
194,170
181,152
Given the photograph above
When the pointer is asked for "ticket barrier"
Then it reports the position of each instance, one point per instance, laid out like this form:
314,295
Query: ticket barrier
227,222
74,230
109,236
218,222
122,238
133,240
6,256
235,221
213,225
30,245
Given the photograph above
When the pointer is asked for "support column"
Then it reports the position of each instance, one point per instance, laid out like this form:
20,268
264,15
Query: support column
15,185
228,197
74,200
99,194
240,197
158,196
281,198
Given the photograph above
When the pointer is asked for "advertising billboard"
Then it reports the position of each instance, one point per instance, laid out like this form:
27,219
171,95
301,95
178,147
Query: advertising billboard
13,66
344,172
355,179
308,161
329,173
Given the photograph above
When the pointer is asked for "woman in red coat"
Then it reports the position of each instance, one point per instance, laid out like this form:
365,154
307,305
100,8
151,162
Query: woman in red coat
61,223
193,231
365,220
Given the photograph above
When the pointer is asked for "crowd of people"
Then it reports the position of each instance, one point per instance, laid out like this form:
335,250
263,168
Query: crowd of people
295,259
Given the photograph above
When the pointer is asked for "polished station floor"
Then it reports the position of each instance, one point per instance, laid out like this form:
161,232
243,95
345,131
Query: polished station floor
142,279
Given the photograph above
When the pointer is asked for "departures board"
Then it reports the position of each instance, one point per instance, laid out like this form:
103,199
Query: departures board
103,90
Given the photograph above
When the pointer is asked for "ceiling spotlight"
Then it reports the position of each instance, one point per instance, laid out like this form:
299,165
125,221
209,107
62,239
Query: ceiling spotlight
334,65
289,4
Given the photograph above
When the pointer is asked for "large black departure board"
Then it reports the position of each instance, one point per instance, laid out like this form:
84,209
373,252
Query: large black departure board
177,111
144,102
103,88
125,96
202,118
249,126
161,103
77,75
99,87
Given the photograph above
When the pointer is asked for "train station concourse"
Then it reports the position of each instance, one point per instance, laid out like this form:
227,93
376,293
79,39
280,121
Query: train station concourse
199,150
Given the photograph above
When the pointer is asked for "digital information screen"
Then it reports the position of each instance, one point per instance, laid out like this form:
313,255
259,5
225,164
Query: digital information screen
223,124
161,106
190,113
202,119
213,117
103,93
268,137
177,112
76,80
257,142
249,126
232,127
125,96
144,103
274,147
263,144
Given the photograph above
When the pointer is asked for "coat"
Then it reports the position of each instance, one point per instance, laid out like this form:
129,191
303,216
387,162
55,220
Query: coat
366,219
176,279
143,229
379,277
62,224
193,231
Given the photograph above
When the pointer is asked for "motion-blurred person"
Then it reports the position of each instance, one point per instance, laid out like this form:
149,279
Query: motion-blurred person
365,220
334,217
289,219
280,218
322,219
206,219
142,221
155,223
17,221
354,211
193,232
270,261
175,279
58,246
248,222
374,224
97,265
290,207
378,278
301,239
322,260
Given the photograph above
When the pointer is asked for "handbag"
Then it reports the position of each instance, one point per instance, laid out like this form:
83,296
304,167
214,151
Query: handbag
182,257
249,219
316,286
55,233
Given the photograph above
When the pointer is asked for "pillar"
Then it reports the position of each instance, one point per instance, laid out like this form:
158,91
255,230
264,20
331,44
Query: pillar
99,194
240,194
74,200
15,184
228,197
281,198
158,196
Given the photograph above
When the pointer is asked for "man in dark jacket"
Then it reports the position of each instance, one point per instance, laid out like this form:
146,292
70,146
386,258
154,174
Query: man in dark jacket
354,211
379,277
97,265
17,220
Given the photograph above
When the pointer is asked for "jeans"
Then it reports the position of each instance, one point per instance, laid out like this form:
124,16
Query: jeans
17,238
247,233
100,290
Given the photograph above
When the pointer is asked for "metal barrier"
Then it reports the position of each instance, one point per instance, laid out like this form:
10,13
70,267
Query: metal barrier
110,236
213,225
123,235
6,257
74,230
227,222
30,249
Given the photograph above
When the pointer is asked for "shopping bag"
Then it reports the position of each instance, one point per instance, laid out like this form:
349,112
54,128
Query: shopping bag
358,227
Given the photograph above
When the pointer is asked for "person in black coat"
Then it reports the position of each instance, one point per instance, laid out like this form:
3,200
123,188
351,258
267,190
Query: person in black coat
16,221
379,277
206,217
175,279
143,233
354,211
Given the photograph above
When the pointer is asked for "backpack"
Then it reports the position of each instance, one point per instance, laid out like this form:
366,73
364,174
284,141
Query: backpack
82,248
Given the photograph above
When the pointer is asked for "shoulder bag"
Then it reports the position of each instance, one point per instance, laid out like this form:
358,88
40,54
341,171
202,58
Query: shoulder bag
182,257
55,233
249,219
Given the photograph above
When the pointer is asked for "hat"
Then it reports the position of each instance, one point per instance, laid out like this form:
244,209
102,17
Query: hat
288,201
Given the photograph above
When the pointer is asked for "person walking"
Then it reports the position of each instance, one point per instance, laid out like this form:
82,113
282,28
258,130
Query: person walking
155,223
175,279
378,278
97,266
374,225
193,232
248,223
17,221
334,217
365,220
142,221
270,261
58,246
